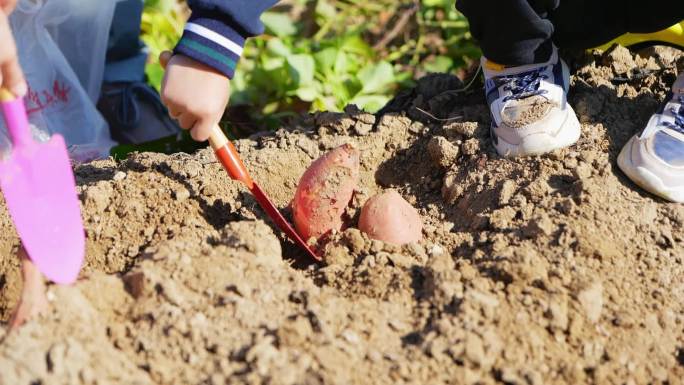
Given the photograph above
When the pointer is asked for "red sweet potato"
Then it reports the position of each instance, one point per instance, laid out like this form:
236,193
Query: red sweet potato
389,218
324,191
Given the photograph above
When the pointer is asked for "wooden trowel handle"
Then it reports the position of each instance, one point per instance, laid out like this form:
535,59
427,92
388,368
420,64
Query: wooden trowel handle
229,158
223,148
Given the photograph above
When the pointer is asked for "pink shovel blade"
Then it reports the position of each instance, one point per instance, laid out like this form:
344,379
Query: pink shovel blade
40,192
39,188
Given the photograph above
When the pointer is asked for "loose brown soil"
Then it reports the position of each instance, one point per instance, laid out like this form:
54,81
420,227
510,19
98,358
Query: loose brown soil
545,270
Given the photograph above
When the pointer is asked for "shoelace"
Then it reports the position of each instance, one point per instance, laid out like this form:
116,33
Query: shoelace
522,85
128,112
678,124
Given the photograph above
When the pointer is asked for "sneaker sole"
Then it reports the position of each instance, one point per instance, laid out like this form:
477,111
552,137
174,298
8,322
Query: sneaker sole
543,143
645,178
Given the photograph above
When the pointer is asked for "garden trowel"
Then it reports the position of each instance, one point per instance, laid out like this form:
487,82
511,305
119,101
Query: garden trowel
40,191
229,158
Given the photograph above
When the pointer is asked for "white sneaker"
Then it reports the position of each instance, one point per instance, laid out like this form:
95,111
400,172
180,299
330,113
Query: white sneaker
530,111
655,159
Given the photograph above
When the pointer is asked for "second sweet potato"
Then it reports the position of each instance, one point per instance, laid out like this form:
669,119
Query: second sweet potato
390,218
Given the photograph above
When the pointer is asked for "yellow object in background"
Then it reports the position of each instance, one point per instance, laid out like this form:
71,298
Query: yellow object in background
673,36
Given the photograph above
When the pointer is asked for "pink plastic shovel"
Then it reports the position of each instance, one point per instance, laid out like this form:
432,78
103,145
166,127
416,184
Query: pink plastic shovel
40,191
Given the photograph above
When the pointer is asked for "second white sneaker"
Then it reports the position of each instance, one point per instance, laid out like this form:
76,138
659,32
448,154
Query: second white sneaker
654,159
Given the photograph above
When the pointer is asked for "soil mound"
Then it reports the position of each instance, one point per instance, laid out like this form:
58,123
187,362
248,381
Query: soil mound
544,270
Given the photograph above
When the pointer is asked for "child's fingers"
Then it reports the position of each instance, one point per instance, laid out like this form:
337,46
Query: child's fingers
200,132
187,121
13,78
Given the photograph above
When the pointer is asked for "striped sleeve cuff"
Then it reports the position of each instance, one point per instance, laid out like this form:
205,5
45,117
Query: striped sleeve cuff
213,43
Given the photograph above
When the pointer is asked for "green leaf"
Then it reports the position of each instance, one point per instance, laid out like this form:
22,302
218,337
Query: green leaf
325,104
370,103
160,5
405,79
271,63
376,78
301,68
355,44
307,93
278,47
340,91
438,64
325,60
341,63
354,63
271,108
325,9
353,86
279,24
438,3
155,74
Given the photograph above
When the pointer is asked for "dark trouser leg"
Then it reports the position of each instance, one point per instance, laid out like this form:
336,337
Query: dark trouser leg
132,108
126,54
518,32
511,32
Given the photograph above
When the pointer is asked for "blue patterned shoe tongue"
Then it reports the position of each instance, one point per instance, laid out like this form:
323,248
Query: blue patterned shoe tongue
669,148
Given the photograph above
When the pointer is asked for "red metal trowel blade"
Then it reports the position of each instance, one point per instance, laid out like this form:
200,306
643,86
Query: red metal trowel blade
280,221
227,154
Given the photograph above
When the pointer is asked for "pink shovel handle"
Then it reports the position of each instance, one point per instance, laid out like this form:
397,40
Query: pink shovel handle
14,111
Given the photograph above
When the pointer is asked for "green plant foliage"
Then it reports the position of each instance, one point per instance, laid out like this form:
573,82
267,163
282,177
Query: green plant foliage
325,54
284,74
162,26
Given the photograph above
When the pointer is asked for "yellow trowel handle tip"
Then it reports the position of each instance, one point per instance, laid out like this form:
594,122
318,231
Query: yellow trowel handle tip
6,95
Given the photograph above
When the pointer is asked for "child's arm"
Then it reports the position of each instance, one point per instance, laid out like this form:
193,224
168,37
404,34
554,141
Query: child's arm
196,84
11,76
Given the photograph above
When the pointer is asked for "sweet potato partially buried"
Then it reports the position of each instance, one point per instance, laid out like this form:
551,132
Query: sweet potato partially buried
324,191
389,218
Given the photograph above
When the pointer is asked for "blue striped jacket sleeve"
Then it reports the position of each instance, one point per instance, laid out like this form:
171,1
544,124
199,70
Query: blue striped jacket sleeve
217,29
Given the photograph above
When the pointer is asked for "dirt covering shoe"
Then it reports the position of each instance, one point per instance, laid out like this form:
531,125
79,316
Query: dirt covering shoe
655,159
135,113
529,107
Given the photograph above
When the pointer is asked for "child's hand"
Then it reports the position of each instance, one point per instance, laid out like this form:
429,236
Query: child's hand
11,75
195,94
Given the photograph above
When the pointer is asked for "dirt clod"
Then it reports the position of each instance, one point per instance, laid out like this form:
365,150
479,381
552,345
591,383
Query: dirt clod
620,60
591,299
442,152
